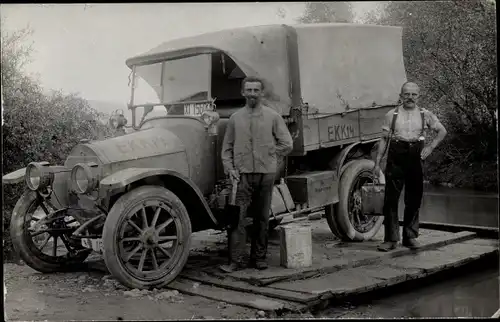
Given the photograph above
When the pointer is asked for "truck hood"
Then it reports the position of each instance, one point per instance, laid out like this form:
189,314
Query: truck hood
136,145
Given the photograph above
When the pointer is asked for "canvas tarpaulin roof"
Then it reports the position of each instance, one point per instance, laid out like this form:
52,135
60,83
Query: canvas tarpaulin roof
350,64
259,51
339,64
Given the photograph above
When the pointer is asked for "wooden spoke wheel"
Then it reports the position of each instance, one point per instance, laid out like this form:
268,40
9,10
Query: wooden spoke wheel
41,236
146,237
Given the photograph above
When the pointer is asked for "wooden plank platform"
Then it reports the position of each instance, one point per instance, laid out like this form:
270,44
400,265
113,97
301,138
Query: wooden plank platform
246,299
329,255
390,272
340,269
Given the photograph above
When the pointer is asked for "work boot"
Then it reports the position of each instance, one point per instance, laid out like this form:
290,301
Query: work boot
257,264
260,265
387,246
231,267
411,243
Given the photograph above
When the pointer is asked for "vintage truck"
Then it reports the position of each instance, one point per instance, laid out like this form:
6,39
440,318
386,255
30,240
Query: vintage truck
138,197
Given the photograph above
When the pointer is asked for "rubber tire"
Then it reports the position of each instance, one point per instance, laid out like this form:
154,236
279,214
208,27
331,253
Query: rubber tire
330,213
124,204
20,241
345,227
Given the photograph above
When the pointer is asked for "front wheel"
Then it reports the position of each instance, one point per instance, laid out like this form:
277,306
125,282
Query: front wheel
351,224
41,236
147,237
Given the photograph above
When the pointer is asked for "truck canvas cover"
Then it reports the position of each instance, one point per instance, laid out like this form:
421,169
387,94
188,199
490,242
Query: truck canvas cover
259,51
358,65
338,65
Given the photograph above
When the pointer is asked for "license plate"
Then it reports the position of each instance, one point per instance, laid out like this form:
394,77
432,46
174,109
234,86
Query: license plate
94,244
197,109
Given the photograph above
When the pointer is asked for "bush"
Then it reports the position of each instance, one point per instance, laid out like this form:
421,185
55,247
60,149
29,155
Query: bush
449,49
37,126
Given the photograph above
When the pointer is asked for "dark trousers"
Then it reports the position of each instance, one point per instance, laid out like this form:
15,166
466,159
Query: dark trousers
404,168
253,196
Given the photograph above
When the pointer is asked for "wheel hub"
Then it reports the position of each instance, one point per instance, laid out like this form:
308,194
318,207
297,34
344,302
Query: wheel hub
357,201
149,237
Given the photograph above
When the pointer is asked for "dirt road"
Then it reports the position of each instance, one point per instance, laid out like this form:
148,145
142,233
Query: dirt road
95,296
92,295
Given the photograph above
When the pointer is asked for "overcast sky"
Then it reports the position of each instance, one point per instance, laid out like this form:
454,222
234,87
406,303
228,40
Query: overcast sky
82,48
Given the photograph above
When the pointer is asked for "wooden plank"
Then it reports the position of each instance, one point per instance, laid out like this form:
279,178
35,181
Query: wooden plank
237,285
337,284
232,297
446,257
320,266
483,242
474,247
428,240
481,231
390,272
344,256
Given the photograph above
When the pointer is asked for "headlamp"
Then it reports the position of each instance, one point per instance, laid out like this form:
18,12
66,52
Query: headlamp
83,178
38,176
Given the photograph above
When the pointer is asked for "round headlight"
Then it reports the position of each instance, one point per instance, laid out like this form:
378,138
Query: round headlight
82,178
37,176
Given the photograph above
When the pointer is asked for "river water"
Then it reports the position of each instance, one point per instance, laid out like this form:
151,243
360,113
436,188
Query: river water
457,206
473,293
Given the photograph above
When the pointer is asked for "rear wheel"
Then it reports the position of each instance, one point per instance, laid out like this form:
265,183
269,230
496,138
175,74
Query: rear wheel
147,237
346,219
330,213
41,236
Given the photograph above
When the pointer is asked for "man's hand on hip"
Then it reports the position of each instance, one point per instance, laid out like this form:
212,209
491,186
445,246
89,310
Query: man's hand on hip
426,152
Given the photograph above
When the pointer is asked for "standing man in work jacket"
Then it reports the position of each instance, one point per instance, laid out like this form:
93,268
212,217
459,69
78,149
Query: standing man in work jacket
256,137
404,132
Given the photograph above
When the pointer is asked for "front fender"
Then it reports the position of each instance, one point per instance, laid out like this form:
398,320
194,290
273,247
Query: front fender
14,177
119,180
60,188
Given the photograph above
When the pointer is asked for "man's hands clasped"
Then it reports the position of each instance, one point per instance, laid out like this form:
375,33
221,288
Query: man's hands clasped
234,176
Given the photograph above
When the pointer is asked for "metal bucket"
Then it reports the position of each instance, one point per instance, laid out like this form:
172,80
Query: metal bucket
372,199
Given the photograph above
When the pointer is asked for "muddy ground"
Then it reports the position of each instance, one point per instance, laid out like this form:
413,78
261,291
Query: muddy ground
92,295
95,296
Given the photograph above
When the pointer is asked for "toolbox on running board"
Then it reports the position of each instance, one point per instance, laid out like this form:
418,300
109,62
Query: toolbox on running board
315,189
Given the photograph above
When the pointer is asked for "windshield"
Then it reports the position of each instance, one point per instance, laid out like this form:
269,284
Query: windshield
169,82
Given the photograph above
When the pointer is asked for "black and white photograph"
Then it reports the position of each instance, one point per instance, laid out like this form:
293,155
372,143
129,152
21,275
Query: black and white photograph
249,160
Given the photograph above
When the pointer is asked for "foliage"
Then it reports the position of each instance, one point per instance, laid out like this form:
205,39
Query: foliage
450,51
37,126
320,12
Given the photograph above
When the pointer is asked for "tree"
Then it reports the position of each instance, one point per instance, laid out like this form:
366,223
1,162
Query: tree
37,127
450,50
322,12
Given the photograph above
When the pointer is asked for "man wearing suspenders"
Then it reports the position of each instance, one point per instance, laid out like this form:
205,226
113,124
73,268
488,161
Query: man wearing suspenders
404,135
